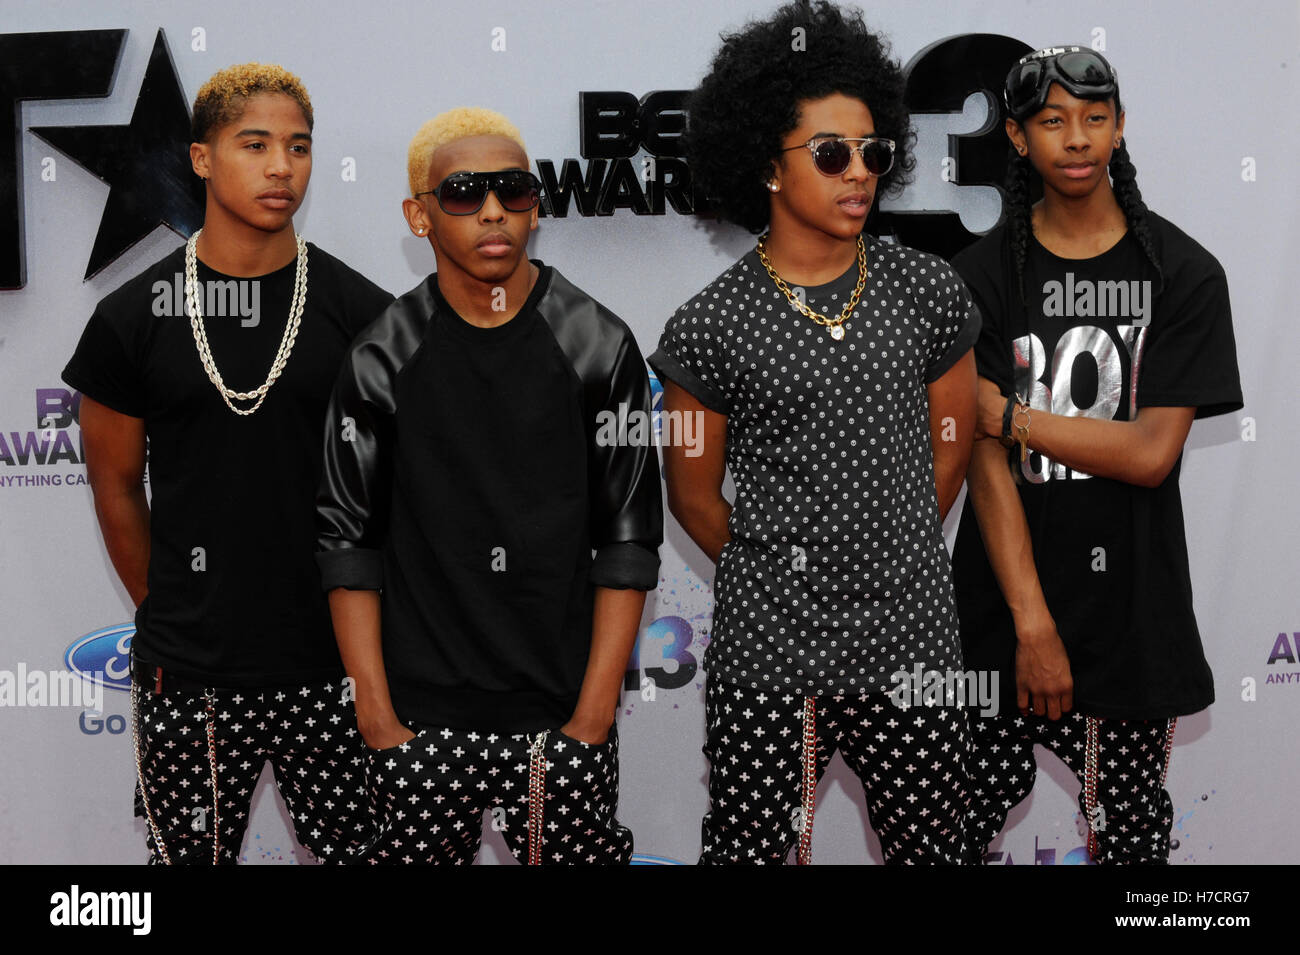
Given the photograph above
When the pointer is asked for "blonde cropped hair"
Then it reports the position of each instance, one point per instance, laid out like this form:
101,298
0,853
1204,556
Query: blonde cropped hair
454,124
222,98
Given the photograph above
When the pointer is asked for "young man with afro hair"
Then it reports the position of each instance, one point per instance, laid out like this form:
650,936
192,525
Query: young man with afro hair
466,488
233,661
835,378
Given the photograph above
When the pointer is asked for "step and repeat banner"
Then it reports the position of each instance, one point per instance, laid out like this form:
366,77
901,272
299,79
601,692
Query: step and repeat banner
93,93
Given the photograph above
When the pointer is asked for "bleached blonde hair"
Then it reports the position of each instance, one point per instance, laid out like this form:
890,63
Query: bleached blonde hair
454,124
222,98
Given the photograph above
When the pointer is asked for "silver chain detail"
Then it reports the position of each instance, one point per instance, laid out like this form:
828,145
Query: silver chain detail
536,795
209,697
194,308
1169,749
1091,745
808,787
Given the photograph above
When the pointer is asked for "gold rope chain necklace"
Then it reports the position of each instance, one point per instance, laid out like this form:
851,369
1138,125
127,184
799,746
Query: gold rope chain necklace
833,325
195,309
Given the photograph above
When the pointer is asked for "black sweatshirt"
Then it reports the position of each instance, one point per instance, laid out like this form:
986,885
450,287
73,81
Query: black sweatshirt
463,478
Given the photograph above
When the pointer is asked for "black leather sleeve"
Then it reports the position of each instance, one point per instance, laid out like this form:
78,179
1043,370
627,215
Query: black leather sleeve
356,481
626,506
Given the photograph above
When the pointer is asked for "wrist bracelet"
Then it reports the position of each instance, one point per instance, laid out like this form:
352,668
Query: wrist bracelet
1006,438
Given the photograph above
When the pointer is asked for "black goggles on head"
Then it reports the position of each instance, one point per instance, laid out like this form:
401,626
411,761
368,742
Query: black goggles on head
463,193
1080,71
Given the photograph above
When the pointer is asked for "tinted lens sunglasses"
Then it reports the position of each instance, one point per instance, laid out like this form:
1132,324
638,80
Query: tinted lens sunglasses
832,155
463,193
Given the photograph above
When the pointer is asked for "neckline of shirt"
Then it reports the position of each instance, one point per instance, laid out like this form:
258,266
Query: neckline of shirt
1118,248
285,271
841,285
457,325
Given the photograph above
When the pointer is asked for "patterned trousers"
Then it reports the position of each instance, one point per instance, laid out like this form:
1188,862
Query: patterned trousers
763,772
552,796
1122,797
308,733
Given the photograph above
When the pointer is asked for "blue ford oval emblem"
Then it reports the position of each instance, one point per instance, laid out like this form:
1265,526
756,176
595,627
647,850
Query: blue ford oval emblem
103,656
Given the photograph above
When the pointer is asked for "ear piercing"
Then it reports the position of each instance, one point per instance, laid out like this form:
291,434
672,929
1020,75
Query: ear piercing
772,187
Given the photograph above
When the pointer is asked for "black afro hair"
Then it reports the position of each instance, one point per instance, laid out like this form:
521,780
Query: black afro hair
749,100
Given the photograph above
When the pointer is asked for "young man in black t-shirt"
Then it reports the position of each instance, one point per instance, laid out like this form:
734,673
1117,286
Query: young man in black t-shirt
1107,330
844,411
466,486
233,660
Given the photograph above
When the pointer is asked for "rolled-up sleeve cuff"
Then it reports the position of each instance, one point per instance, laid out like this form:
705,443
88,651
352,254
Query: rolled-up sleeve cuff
356,568
666,366
626,566
963,343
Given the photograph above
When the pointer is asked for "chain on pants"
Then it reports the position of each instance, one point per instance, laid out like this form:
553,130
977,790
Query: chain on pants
309,735
1131,815
430,794
911,763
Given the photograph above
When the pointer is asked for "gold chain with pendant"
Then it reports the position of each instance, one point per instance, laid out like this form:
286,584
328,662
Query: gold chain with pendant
835,326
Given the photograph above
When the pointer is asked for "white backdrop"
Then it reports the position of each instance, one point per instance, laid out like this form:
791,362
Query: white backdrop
1205,88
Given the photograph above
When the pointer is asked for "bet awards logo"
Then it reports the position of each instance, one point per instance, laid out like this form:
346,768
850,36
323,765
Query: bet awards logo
145,163
55,441
614,126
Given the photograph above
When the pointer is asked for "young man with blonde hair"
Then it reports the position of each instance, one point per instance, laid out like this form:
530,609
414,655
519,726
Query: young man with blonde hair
233,661
465,491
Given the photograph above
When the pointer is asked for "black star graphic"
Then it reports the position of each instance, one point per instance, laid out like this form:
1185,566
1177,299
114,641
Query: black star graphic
146,164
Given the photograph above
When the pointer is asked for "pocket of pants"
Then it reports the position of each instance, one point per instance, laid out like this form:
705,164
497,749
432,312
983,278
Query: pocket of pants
562,748
394,749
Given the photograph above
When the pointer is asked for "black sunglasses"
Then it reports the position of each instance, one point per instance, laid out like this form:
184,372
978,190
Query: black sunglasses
463,193
1082,72
832,154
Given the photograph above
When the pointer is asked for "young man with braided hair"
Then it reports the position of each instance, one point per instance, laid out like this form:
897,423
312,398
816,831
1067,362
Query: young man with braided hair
834,376
1107,330
233,660
466,487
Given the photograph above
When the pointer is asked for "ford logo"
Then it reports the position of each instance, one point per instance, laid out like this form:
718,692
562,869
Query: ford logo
103,656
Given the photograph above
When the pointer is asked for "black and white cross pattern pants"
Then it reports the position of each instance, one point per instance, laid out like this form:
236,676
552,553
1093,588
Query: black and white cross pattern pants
1121,766
553,798
309,733
767,749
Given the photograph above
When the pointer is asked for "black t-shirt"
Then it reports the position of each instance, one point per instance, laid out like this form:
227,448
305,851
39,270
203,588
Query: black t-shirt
1101,338
234,592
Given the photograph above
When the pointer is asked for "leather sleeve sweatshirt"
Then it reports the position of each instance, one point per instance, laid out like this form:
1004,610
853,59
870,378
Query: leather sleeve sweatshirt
467,478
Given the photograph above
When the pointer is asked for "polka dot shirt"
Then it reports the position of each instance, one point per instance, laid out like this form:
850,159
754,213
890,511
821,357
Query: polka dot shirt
836,574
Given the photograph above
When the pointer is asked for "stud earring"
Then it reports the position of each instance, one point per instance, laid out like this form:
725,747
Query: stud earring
772,187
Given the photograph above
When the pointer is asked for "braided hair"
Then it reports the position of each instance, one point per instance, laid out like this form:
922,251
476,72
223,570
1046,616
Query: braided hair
1023,186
